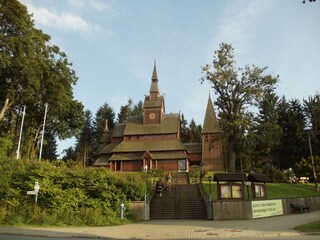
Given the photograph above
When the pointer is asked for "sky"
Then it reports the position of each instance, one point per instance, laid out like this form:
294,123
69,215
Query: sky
113,45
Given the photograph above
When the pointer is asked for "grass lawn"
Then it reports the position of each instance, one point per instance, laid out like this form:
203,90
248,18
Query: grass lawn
309,227
283,190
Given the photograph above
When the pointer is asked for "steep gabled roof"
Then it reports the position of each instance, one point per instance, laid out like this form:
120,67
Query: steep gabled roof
210,124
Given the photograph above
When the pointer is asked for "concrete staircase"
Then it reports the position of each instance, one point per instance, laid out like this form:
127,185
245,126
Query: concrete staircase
182,202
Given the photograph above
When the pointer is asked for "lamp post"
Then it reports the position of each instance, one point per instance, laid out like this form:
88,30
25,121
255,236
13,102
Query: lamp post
312,160
20,135
44,123
209,178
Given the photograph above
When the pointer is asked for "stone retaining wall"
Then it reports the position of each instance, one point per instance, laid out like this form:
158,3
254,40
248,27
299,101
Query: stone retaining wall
242,210
231,210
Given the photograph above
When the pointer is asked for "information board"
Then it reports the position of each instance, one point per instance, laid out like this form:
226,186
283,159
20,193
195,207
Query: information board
266,208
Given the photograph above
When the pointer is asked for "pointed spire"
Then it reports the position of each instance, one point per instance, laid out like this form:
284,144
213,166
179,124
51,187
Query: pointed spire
154,89
154,74
210,124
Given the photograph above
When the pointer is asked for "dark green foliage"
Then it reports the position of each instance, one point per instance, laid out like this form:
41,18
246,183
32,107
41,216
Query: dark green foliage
195,172
69,154
67,196
303,168
33,72
184,130
85,140
130,110
274,174
293,138
194,132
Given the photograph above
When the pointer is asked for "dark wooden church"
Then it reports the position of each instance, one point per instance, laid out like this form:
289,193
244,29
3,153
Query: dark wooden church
152,140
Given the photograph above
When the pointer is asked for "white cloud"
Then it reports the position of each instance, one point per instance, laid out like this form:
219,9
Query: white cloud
63,21
96,5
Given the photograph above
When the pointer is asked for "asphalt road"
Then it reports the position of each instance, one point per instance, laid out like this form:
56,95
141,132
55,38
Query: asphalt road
303,237
279,227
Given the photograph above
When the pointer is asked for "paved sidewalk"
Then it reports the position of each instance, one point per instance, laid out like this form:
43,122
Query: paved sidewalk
178,229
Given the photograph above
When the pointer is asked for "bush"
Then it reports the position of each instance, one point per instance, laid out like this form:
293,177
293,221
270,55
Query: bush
194,172
90,196
275,175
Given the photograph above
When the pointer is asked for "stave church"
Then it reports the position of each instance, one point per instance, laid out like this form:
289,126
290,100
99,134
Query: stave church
152,140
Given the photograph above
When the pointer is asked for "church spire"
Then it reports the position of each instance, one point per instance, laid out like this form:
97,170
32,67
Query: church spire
154,74
210,124
154,89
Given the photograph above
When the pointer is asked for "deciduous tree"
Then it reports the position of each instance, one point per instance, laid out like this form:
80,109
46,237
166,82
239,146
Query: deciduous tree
236,89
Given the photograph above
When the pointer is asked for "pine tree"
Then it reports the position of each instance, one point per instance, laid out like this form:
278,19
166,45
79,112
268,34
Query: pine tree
85,141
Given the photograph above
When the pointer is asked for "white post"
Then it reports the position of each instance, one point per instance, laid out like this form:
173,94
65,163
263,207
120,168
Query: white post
20,135
44,123
36,189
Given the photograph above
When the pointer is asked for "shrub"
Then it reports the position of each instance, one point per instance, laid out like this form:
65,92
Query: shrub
194,172
275,175
90,196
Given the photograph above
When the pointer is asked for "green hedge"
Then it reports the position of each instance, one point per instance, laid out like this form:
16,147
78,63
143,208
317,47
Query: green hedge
90,196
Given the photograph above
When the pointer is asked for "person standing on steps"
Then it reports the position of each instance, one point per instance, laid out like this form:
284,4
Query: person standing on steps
169,180
159,188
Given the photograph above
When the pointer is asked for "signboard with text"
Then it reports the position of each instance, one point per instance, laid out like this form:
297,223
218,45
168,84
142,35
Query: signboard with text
266,208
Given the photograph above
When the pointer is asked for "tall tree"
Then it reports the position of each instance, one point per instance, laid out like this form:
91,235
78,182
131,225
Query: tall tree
311,108
293,138
184,130
125,111
49,147
85,141
129,110
137,109
32,73
69,154
237,89
268,130
194,132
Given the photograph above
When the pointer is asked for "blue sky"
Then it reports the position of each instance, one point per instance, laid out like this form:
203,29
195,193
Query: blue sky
113,44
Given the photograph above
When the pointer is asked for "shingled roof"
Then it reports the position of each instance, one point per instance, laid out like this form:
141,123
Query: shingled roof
118,130
193,147
170,124
256,177
230,177
142,146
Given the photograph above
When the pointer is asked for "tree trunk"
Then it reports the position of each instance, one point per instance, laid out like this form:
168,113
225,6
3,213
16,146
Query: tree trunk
232,156
6,106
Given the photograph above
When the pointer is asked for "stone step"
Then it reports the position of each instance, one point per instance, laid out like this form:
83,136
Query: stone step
190,202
